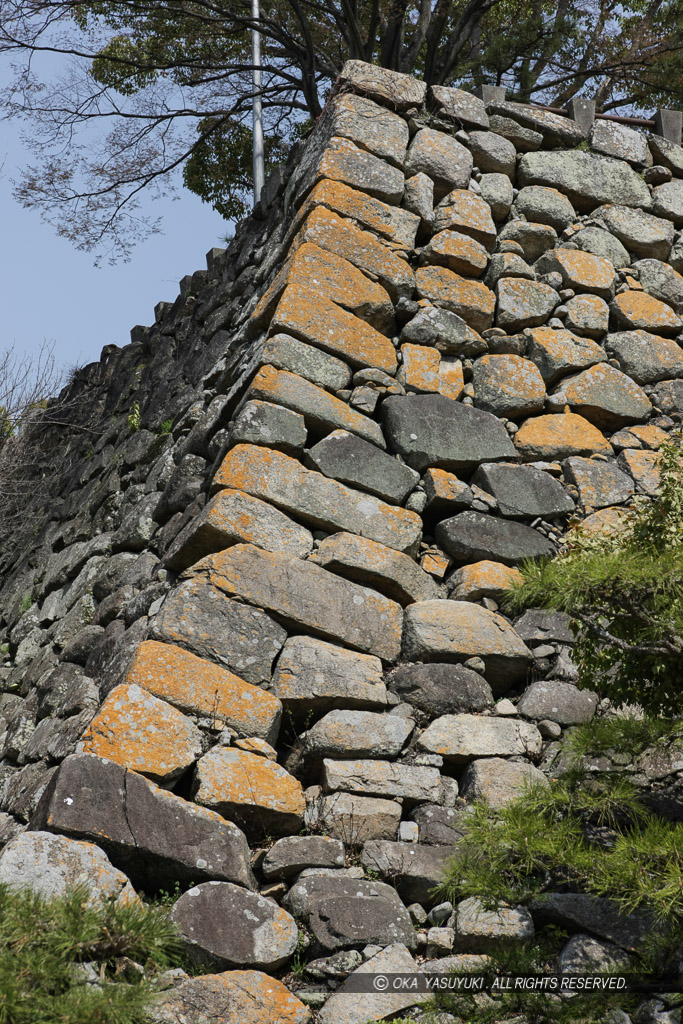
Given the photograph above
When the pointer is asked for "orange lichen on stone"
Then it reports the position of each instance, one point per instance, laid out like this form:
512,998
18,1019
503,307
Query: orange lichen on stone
581,270
641,311
644,467
326,503
483,579
229,780
605,520
312,317
451,378
365,251
238,997
332,276
458,252
471,300
135,729
317,406
436,565
419,370
558,353
396,225
558,437
467,213
508,385
200,687
649,435
444,489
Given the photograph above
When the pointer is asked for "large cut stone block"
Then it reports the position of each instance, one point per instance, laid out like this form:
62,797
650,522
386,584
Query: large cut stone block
390,222
460,738
354,819
524,492
308,597
555,437
156,837
325,503
417,871
399,92
467,213
498,782
475,536
457,630
312,675
351,460
445,160
377,566
201,687
604,396
558,353
381,778
352,734
645,357
587,180
471,300
287,353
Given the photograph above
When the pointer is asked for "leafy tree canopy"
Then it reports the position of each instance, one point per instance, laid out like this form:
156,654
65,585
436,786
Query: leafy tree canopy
142,90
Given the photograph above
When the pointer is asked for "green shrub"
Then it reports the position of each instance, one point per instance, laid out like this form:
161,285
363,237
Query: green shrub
44,944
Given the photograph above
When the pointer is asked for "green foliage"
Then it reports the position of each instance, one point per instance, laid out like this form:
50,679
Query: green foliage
43,943
25,604
165,427
134,417
624,591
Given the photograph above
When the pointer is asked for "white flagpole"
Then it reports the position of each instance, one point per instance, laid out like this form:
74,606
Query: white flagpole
257,111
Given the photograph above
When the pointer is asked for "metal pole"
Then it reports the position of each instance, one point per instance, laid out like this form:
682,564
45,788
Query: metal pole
257,111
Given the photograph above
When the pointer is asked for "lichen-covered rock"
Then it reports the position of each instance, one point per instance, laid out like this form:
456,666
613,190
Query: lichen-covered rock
638,311
545,206
496,190
558,353
579,270
604,396
352,818
587,314
234,997
479,930
587,180
661,280
292,854
473,536
508,386
271,425
369,125
460,738
251,790
140,732
399,92
351,460
556,437
415,870
667,201
640,232
287,353
382,778
259,933
600,242
458,252
620,141
312,675
459,106
374,565
342,160
523,303
493,154
644,467
465,212
599,483
482,579
446,331
457,630
534,239
438,688
524,492
445,493
390,222
471,300
556,130
358,1007
445,160
498,782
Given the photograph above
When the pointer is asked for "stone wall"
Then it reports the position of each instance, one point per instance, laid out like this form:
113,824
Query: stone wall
252,639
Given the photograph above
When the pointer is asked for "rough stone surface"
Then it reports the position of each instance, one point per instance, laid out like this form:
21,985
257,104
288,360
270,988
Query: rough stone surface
261,934
269,424
459,253
497,781
457,630
581,271
351,460
560,702
641,233
604,396
473,536
534,239
446,331
415,870
471,300
545,206
460,738
399,92
587,315
354,819
599,483
661,280
479,930
358,1007
667,201
313,675
556,130
445,160
234,997
523,492
438,688
556,437
523,303
482,579
594,914
374,565
465,212
508,386
492,153
380,778
287,353
292,854
587,180
636,310
156,837
558,353
357,734
620,141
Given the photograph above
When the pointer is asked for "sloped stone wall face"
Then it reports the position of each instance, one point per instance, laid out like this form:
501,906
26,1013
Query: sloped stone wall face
256,631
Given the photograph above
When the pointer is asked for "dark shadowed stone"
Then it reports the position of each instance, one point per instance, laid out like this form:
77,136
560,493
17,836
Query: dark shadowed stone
200,618
228,926
472,536
523,491
439,689
157,838
414,869
440,826
540,627
431,430
593,914
559,702
292,854
350,913
346,457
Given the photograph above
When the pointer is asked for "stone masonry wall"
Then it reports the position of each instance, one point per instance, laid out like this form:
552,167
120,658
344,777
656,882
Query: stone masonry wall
253,640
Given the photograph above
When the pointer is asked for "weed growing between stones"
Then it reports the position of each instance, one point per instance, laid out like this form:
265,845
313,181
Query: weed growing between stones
58,958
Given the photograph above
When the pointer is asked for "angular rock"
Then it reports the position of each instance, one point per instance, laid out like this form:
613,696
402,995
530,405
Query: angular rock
304,595
157,838
580,270
482,579
636,310
540,627
669,396
619,141
545,206
353,1007
370,126
233,517
52,866
473,536
471,300
604,396
357,734
525,140
556,130
524,492
292,854
431,431
351,460
325,503
418,197
200,618
493,154
460,738
260,796
602,244
441,688
585,955
270,425
465,212
594,914
557,353
445,160
399,92
547,438
445,493
507,264
235,997
600,484
479,930
641,233
662,281
559,702
498,782
666,153
459,253
459,106
667,201
355,819
440,826
587,180
457,630
374,565
361,248
380,778
534,239
389,222
445,331
508,386
312,675
142,733
523,303
309,315
260,934
644,468
344,913
201,687
416,871
587,314
287,353
341,160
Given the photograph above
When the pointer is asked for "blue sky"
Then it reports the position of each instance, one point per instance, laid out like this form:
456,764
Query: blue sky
51,292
